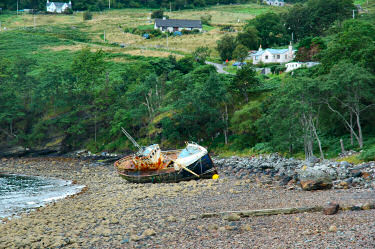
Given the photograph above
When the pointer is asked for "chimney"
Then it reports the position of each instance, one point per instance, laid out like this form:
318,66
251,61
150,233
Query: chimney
164,18
260,48
70,2
47,1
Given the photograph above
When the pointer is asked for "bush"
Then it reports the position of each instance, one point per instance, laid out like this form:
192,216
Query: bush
157,14
368,155
68,11
185,31
206,19
227,28
87,15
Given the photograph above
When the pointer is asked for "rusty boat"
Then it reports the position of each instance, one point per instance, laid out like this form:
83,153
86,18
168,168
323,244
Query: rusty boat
151,165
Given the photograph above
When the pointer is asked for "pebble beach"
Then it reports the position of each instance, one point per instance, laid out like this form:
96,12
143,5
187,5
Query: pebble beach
112,213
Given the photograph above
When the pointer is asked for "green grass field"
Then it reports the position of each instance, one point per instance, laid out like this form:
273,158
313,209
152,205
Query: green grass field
72,33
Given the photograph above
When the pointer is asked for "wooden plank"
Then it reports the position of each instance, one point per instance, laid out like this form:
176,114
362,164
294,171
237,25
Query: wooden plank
265,212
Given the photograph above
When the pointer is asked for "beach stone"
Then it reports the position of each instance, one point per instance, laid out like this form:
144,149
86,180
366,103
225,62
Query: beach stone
368,206
247,228
331,208
332,229
316,178
136,238
171,219
344,184
232,217
212,227
149,232
316,184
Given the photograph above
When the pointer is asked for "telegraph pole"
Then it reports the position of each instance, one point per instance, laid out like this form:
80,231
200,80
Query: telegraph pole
167,40
17,7
104,35
353,14
109,4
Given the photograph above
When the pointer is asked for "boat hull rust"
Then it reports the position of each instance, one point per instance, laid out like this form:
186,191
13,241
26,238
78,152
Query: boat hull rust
203,167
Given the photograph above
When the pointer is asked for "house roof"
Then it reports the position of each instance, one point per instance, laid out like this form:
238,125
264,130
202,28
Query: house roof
178,23
59,5
271,50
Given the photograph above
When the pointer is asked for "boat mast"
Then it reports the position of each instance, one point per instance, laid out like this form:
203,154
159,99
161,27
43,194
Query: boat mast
131,139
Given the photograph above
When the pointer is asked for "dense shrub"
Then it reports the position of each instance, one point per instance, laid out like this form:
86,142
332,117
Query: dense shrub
157,14
87,15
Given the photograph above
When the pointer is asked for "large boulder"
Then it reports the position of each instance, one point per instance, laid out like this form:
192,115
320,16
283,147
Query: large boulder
315,178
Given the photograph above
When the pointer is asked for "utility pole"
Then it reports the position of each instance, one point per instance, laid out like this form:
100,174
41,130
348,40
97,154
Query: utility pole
170,7
109,4
34,21
17,7
167,40
353,14
104,35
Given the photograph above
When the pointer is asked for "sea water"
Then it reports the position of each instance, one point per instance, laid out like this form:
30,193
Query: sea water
19,193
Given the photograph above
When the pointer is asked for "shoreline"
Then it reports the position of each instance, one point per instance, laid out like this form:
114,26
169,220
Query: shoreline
112,213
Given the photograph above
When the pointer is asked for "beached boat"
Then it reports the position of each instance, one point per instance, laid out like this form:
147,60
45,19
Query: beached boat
193,162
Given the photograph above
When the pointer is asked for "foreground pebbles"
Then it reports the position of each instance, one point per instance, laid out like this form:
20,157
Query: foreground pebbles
112,213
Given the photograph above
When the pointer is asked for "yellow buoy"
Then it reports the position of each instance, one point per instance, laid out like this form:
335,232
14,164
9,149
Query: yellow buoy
216,176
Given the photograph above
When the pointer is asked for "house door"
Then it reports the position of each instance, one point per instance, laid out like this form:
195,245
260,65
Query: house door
175,28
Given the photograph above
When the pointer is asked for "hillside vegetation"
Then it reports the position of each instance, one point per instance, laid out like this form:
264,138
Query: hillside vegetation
62,84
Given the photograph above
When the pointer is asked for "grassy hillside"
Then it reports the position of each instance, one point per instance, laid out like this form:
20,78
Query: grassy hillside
81,33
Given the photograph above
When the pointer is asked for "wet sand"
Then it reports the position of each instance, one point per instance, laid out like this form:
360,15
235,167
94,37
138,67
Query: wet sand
112,213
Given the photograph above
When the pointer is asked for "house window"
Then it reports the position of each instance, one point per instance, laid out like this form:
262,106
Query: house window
286,56
266,57
163,28
175,28
278,56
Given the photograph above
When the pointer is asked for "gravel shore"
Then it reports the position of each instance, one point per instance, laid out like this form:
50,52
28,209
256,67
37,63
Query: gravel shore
112,213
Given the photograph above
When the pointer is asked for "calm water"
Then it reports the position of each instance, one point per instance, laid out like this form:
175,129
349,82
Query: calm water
23,193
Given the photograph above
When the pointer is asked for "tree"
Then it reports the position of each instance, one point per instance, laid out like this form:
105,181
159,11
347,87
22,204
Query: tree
201,53
355,43
308,48
349,91
298,22
226,46
316,16
270,28
325,12
240,53
206,19
249,37
244,82
292,115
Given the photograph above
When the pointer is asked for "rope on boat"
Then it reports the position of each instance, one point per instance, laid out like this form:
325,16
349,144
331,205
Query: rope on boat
131,139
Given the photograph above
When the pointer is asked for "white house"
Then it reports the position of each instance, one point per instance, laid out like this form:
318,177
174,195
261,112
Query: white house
271,55
58,7
295,65
274,2
172,25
